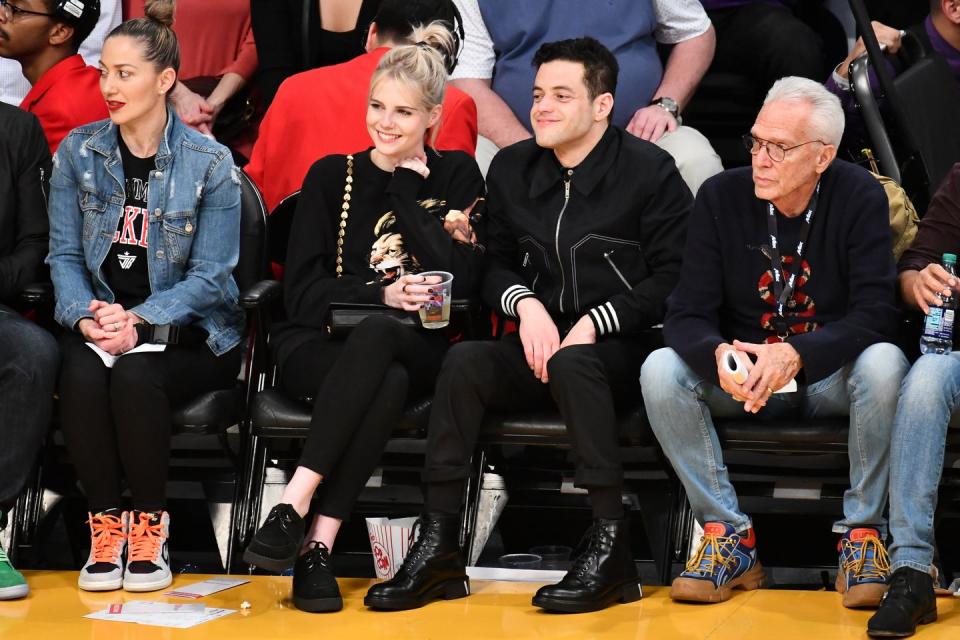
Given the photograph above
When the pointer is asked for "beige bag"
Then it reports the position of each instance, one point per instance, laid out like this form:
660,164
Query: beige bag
903,217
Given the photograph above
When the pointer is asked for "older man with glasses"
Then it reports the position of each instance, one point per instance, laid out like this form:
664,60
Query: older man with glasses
785,306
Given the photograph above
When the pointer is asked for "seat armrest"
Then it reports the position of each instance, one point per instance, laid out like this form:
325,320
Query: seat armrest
38,293
261,294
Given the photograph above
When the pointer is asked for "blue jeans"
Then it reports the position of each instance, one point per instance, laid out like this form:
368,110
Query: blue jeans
929,402
681,406
29,358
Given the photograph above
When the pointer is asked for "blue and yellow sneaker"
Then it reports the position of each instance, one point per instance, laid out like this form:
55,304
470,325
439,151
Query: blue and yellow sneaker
726,560
864,567
12,583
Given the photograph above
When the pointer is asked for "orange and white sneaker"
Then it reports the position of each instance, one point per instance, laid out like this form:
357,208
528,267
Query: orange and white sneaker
103,570
148,558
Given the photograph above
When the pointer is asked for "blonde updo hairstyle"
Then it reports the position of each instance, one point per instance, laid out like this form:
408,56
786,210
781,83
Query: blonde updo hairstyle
422,65
154,33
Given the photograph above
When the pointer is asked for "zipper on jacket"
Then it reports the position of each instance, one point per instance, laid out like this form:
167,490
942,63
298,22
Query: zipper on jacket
526,260
556,238
43,188
608,256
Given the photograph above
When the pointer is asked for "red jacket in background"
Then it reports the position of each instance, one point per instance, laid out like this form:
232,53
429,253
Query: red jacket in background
323,111
66,96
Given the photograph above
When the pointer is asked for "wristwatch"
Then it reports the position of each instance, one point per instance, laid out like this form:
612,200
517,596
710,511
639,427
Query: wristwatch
670,106
157,333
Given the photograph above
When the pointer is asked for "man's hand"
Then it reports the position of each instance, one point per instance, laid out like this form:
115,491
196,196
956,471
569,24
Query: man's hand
727,382
776,365
933,279
889,38
538,334
650,123
582,333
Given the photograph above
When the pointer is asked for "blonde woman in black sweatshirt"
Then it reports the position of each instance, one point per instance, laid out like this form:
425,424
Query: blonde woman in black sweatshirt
365,226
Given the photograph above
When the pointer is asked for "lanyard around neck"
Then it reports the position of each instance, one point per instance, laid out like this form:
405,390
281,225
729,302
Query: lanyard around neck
783,286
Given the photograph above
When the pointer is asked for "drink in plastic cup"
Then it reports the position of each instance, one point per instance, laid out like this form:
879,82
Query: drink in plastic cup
435,313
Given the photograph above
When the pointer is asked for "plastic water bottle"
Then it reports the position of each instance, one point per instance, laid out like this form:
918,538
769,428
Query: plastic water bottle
938,329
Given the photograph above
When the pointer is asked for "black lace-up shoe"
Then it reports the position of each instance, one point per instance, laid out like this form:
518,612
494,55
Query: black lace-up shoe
315,588
276,544
432,569
602,573
909,601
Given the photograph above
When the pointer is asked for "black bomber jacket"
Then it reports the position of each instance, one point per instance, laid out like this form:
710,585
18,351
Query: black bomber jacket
24,176
604,238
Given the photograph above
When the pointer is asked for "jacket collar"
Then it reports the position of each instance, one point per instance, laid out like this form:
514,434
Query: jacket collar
104,140
547,172
53,75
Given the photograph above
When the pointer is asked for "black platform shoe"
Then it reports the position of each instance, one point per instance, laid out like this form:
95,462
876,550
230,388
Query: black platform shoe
276,544
603,573
315,588
909,601
432,569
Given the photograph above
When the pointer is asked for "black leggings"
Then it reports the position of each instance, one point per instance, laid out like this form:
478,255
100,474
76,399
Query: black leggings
119,420
361,386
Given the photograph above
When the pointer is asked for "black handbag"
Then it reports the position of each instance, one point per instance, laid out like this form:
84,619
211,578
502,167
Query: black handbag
344,317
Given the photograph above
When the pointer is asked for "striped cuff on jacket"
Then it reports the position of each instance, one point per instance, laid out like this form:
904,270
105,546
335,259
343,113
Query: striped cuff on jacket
513,295
605,319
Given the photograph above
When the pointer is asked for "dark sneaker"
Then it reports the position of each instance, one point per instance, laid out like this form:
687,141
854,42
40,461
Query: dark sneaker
12,583
864,566
431,570
602,574
314,586
276,545
726,560
909,601
148,552
103,570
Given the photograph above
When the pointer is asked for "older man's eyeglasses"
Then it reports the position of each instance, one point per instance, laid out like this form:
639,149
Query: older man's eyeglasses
775,150
11,12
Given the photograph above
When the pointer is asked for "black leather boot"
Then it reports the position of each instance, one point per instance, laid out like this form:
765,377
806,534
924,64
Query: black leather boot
909,601
603,573
432,569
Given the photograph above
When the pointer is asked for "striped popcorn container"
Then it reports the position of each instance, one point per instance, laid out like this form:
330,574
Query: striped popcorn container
389,542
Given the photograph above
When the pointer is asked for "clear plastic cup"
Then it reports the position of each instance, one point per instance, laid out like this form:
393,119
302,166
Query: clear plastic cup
435,313
520,561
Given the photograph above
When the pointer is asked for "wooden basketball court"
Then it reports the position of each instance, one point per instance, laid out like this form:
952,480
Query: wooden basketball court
55,608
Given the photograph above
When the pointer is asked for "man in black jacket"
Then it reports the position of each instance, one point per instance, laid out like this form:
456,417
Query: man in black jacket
585,227
28,354
787,263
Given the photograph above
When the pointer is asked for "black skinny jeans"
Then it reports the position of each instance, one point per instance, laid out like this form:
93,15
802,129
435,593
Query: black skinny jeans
361,385
118,420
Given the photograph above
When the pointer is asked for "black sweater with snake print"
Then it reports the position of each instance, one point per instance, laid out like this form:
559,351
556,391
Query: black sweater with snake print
845,300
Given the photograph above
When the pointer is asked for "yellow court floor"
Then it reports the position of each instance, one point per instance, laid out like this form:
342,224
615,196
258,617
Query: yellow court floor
495,610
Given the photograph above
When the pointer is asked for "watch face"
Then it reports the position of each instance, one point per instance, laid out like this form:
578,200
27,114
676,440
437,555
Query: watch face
669,104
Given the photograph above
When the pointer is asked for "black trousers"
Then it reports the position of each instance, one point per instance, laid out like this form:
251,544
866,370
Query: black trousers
584,379
118,421
361,386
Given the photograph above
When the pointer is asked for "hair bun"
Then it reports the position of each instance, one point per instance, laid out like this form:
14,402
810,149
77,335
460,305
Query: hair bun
160,11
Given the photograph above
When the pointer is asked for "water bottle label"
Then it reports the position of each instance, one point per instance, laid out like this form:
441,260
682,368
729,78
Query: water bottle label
939,324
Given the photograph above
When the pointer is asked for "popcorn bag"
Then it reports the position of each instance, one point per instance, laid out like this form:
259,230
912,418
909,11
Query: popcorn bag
389,543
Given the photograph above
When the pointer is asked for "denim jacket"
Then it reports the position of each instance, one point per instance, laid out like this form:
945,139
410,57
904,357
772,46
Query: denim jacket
194,229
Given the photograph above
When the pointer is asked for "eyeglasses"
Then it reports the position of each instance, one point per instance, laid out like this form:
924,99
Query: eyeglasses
775,150
11,11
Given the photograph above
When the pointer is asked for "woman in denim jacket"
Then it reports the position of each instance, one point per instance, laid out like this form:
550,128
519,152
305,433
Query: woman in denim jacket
144,236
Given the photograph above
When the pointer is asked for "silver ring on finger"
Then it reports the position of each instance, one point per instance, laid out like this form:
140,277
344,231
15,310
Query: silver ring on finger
116,326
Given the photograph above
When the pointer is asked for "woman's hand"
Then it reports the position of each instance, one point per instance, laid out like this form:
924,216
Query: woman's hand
112,328
409,292
416,163
193,108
